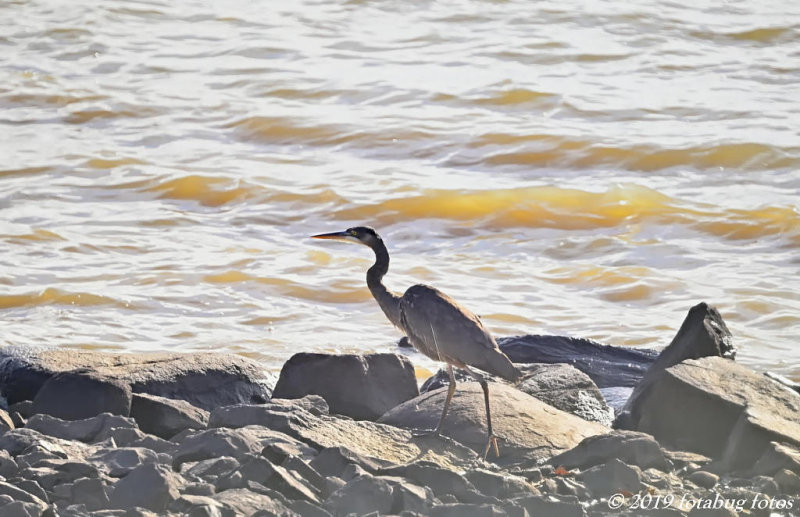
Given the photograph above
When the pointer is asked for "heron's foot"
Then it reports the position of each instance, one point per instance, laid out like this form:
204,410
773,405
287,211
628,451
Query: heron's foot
492,443
425,432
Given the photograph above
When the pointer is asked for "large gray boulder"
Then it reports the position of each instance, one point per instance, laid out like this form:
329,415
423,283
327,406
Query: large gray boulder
205,380
703,333
360,386
719,408
79,394
528,429
632,447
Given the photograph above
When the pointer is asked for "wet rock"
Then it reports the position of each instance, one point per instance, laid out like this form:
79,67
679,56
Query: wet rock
550,506
148,486
502,486
529,429
775,457
703,479
360,386
363,495
205,380
120,461
703,333
6,422
565,387
165,417
90,492
632,447
245,502
608,366
612,477
719,408
88,430
79,394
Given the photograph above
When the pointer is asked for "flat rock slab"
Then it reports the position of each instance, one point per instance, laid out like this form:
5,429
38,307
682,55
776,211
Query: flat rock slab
360,386
205,380
608,366
717,407
529,430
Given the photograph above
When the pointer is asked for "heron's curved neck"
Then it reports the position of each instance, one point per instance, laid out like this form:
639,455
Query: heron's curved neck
387,300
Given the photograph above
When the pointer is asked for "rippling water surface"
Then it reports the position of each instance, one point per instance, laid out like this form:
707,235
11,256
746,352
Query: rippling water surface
590,168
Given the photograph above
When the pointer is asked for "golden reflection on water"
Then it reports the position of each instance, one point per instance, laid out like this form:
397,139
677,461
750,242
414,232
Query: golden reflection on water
593,171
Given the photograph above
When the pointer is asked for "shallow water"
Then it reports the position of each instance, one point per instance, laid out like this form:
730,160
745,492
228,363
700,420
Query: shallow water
592,170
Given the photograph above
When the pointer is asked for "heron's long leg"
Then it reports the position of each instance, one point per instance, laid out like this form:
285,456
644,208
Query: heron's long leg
451,388
492,438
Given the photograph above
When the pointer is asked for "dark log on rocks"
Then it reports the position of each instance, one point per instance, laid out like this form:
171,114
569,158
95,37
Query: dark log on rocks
608,366
702,334
204,380
719,408
360,386
560,385
529,429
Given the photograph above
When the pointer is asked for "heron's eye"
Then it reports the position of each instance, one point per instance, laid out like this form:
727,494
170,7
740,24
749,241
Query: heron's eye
353,233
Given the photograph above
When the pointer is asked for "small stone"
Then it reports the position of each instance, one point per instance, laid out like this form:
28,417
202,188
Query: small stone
632,447
612,477
788,481
473,510
23,407
542,505
165,417
211,469
148,486
246,502
362,495
79,394
703,479
498,485
331,461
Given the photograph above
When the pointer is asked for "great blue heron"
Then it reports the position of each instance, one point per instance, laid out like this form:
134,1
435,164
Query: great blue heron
435,325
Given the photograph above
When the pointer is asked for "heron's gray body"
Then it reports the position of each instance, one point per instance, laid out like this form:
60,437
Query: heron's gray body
437,326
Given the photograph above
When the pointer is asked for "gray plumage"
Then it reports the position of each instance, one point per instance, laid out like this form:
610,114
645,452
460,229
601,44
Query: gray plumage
435,324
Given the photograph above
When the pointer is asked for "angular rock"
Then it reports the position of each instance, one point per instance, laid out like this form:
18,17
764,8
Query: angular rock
502,486
47,474
473,510
8,467
6,422
314,404
90,492
441,481
552,507
258,469
148,486
364,494
632,447
360,386
703,333
165,417
237,443
205,380
245,502
20,509
87,430
304,471
19,494
331,461
120,461
777,456
79,394
20,442
199,506
608,366
719,408
528,429
408,497
788,482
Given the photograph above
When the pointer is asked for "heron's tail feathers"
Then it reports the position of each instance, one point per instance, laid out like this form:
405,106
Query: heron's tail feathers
502,366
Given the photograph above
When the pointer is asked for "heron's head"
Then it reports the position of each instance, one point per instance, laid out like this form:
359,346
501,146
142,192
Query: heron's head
358,234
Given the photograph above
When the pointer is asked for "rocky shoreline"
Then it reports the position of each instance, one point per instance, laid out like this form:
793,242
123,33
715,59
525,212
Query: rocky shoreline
591,430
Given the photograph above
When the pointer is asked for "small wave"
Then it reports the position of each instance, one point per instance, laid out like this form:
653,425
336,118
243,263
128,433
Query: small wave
207,190
52,296
549,150
335,292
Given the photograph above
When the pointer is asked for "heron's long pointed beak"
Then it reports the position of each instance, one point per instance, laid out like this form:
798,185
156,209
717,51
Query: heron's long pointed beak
337,236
